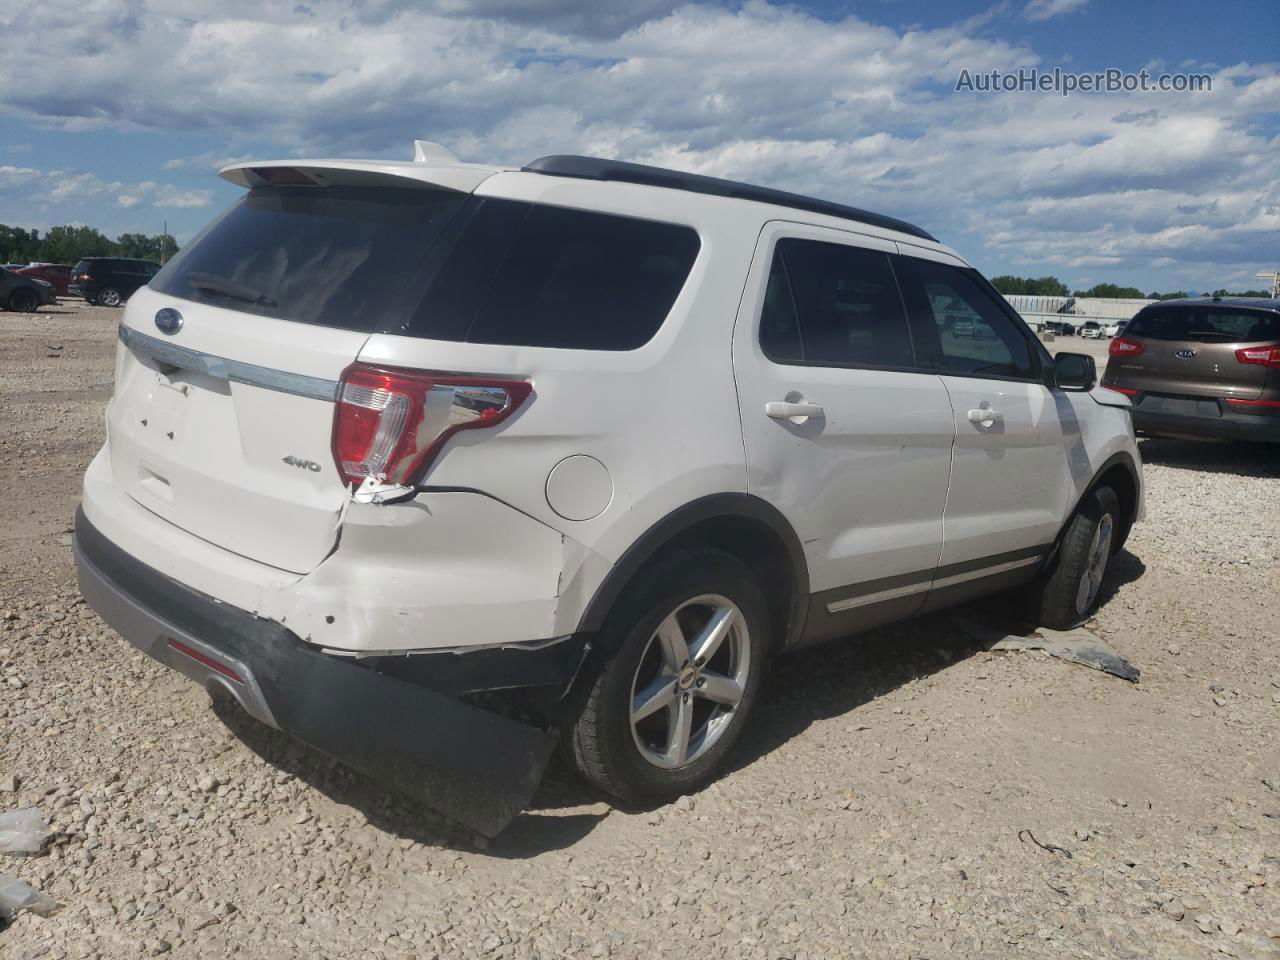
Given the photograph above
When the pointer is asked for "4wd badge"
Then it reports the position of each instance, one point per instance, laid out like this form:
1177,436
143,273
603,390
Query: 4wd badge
301,464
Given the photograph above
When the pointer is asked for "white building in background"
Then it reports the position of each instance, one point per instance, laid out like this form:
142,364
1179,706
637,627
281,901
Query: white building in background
1074,310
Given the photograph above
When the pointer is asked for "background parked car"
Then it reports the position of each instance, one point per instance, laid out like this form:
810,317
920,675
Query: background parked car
24,294
1091,330
110,280
1202,368
58,274
1060,328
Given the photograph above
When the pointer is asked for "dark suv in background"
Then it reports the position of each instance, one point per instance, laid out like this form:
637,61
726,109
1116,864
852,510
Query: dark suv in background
1202,368
110,280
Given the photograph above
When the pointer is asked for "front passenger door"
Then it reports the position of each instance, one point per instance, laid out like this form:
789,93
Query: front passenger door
1010,481
843,434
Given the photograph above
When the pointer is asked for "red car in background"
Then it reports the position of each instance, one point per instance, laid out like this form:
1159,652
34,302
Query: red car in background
58,274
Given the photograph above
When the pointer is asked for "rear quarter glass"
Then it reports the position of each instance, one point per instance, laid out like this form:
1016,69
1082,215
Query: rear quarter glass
522,274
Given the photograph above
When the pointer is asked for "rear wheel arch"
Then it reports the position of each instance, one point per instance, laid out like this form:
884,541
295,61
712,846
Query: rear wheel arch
739,524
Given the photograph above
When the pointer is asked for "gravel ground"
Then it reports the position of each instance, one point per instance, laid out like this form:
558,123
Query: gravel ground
877,808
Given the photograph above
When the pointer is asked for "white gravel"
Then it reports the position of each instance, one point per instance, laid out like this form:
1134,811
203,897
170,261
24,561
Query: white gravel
875,809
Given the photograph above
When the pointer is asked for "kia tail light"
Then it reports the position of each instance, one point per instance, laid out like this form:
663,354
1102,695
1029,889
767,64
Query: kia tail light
1262,356
389,423
1124,347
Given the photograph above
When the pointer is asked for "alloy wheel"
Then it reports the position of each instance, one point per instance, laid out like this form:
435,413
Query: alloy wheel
690,679
1096,566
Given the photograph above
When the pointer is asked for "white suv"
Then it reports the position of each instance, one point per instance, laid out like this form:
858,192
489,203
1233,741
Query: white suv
434,465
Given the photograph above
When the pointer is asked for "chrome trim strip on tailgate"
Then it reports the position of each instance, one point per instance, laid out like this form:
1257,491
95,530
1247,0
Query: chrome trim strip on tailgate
235,371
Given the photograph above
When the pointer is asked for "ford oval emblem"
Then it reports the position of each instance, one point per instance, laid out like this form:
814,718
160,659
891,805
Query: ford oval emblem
1180,354
168,320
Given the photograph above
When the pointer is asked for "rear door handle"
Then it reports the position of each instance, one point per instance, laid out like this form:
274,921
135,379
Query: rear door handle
782,410
985,415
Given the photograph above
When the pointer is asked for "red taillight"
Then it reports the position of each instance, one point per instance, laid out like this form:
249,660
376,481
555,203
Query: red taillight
1124,347
1127,391
389,423
1262,356
209,662
83,277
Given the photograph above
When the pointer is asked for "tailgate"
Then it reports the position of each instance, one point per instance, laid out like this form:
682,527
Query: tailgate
227,433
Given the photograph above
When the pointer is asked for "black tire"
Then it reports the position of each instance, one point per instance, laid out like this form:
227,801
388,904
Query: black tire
1060,599
600,737
109,297
23,300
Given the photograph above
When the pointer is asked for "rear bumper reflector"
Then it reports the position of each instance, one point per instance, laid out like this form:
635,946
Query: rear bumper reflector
209,662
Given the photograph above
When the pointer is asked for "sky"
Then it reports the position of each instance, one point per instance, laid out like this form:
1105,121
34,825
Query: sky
118,114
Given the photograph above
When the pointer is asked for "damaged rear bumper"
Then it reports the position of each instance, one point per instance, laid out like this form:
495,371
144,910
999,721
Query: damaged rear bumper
394,719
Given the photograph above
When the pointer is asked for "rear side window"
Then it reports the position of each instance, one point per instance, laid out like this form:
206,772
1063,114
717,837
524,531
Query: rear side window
539,276
959,327
1204,324
333,256
828,304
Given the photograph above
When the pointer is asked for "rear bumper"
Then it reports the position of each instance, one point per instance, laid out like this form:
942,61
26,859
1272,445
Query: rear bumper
473,765
1258,428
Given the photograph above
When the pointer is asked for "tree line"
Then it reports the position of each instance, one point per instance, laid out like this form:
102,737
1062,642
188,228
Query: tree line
67,244
1053,287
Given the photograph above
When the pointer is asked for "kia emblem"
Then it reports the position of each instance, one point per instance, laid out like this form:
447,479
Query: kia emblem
168,321
1180,354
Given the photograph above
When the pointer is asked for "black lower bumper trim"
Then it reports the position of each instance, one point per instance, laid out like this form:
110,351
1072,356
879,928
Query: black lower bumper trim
472,765
1264,428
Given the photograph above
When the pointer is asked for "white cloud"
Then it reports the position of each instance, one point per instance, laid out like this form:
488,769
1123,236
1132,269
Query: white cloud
848,110
67,189
1046,9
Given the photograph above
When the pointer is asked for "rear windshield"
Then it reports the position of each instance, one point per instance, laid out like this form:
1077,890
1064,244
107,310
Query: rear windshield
333,256
1205,324
438,264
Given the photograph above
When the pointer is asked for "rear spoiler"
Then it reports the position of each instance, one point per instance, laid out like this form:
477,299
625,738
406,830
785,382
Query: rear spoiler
432,166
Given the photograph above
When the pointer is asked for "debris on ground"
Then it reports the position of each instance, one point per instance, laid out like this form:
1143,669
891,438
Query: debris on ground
17,895
1077,646
22,831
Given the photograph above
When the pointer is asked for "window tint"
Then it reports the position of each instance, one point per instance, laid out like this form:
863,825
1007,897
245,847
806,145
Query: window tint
334,256
1204,324
959,327
540,276
847,303
779,326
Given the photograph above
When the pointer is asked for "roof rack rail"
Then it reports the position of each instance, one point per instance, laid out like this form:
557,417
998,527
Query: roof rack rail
594,168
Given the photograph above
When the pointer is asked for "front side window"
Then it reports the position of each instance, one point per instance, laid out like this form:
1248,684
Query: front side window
844,301
958,325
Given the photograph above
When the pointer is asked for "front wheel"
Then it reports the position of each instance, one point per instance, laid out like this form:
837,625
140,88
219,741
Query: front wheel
690,641
24,301
1069,593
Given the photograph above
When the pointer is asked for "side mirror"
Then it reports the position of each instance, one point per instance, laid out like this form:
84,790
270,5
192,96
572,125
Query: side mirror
1074,371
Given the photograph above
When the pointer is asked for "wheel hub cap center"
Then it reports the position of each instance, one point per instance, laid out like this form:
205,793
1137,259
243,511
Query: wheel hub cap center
687,676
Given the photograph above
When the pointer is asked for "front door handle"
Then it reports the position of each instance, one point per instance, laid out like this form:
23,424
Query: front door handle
985,415
783,410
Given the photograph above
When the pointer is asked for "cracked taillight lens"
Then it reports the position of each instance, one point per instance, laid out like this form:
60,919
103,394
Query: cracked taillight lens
390,423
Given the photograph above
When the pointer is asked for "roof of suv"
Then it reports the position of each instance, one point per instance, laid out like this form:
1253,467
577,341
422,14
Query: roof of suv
434,164
593,168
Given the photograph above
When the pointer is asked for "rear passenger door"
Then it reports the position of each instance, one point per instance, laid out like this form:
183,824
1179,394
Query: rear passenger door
843,434
1010,481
